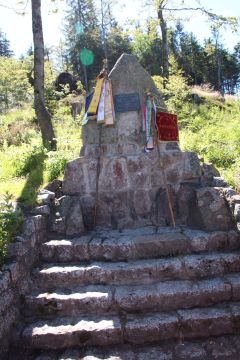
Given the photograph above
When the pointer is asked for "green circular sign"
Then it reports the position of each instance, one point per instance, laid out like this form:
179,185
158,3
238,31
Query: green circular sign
86,57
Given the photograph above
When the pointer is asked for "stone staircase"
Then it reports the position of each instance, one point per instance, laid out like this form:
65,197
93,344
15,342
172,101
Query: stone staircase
140,291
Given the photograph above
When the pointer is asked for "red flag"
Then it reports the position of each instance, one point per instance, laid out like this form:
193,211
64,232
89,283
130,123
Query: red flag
167,126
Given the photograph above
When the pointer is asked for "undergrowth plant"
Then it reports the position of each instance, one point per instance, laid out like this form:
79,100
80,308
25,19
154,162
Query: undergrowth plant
25,166
10,222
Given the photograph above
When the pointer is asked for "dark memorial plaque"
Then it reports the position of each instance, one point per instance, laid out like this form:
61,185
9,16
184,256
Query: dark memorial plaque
127,102
167,126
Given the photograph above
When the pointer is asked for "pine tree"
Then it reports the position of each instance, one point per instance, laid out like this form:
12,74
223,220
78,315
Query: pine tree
83,32
94,29
5,46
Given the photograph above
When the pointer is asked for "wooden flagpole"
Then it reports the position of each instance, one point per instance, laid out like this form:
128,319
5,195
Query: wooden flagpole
164,177
155,131
98,173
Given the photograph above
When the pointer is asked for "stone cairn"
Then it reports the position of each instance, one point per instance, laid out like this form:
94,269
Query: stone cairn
131,189
132,287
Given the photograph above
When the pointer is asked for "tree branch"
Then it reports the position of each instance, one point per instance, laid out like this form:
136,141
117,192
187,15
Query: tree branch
18,11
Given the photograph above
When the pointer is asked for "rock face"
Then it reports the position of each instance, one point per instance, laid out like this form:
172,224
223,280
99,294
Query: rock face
131,189
127,76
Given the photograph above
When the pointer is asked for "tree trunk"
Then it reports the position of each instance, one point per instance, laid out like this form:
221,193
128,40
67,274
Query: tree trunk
219,81
165,51
43,116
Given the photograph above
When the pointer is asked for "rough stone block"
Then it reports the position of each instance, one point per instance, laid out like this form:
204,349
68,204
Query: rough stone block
88,210
142,203
4,280
138,168
233,239
234,281
188,351
192,168
75,181
6,300
143,329
200,266
17,249
218,181
28,227
215,215
74,221
205,322
219,240
113,175
68,216
237,212
45,197
17,270
82,331
41,210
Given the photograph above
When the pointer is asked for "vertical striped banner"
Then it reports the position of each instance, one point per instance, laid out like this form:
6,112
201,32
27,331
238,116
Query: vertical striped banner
96,97
109,114
101,107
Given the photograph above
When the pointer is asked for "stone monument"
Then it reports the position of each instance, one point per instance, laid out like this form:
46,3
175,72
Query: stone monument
130,184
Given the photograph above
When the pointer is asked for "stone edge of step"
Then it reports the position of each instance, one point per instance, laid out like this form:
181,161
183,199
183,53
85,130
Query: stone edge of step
112,248
161,296
133,329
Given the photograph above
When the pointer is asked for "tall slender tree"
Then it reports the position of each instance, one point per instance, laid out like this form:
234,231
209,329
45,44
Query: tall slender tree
43,116
83,32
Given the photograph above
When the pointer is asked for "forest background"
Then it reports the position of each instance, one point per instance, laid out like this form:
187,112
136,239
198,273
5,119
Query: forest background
199,79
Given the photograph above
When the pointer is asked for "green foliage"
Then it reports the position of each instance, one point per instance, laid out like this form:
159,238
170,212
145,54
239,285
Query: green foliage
4,45
24,165
17,161
85,30
213,132
55,163
175,89
17,126
15,88
146,45
10,223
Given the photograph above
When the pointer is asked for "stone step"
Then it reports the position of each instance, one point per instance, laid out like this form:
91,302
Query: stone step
138,271
137,244
163,296
215,348
65,332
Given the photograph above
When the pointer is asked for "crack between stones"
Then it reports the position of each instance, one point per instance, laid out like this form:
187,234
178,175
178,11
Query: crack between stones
88,245
180,332
227,281
183,265
121,314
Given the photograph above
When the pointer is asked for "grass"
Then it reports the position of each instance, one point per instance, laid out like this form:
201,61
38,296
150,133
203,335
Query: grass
212,129
24,165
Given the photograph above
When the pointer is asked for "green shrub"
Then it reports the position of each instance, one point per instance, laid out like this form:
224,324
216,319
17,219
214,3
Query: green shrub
10,223
213,132
19,161
55,163
175,89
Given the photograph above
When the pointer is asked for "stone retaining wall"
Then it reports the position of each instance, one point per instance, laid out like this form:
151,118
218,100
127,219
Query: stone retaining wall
15,276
